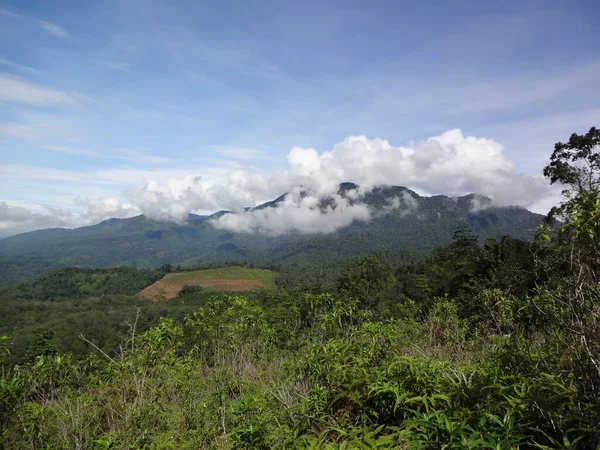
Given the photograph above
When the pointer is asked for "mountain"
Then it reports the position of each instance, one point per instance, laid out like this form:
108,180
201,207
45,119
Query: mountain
143,242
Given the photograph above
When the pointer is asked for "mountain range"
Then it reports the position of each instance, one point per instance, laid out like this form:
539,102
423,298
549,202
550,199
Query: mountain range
143,242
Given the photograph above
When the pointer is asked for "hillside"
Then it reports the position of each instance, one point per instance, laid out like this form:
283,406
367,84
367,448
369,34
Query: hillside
142,242
226,279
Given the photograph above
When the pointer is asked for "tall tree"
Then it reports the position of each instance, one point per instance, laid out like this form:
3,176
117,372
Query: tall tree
576,166
572,299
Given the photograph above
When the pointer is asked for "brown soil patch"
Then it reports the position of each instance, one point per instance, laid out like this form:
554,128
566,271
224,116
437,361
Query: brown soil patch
162,290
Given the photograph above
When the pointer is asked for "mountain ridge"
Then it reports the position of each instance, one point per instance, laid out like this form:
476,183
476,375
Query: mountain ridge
143,242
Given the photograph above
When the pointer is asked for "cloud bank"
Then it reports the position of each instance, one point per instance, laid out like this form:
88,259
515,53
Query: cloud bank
17,219
450,164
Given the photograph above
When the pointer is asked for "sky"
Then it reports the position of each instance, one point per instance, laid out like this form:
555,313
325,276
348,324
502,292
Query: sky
116,108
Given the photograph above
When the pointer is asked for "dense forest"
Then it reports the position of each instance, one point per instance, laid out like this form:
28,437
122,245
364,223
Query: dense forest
402,235
481,344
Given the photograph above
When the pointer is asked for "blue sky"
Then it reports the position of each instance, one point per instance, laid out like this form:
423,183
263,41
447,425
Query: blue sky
102,102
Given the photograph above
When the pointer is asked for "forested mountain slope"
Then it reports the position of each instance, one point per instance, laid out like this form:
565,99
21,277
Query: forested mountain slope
144,243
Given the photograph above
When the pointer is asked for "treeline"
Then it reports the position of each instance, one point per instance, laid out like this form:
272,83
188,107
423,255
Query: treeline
53,310
78,283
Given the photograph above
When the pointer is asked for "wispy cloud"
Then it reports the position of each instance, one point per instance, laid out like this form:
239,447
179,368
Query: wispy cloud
15,90
140,156
72,150
14,65
118,66
241,152
54,30
131,155
50,174
7,13
38,130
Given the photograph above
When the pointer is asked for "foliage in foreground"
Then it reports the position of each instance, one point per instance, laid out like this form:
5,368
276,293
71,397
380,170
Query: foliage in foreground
223,379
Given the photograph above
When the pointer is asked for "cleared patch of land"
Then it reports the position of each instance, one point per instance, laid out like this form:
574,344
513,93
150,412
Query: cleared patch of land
227,279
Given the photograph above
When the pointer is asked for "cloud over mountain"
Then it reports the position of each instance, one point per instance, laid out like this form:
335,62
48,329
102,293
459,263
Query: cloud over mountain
450,164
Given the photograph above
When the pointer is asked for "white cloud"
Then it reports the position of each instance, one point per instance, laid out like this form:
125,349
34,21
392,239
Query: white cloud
140,156
118,66
296,214
479,203
132,155
405,204
21,171
176,198
450,164
15,90
12,15
17,219
14,65
97,210
241,152
54,30
71,150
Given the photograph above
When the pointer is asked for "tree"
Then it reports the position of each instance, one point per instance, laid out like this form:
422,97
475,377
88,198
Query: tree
367,279
576,166
576,163
41,344
571,300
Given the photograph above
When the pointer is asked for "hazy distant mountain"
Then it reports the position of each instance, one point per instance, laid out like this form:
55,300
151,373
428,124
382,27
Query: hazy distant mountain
143,242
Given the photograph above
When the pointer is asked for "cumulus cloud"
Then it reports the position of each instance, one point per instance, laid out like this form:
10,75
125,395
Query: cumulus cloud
176,198
97,210
450,164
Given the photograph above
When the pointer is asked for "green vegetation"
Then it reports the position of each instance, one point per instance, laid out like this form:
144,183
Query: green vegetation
266,277
77,283
144,243
479,345
225,279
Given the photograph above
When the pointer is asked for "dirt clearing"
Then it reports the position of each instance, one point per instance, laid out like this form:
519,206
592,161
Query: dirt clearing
228,279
